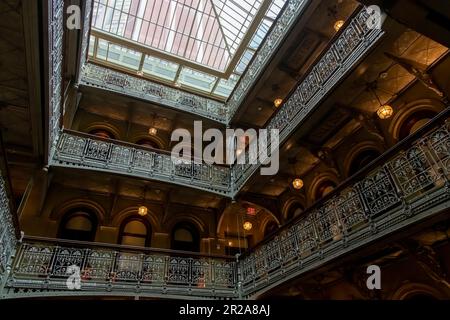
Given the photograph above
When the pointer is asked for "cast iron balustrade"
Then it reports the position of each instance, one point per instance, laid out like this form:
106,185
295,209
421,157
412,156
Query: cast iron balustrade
42,267
104,78
7,233
78,150
407,185
355,41
410,183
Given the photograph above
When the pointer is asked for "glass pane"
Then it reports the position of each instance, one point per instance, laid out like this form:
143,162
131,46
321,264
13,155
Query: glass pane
160,68
124,57
102,49
225,87
197,79
242,65
91,46
135,227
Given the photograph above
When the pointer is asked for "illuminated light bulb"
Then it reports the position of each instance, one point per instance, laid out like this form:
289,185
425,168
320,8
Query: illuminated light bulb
247,226
153,131
297,183
338,25
385,112
278,102
142,211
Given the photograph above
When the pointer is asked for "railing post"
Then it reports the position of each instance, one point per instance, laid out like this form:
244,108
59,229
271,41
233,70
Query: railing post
238,277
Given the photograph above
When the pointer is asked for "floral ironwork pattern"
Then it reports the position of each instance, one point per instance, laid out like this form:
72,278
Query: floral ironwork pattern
107,79
92,152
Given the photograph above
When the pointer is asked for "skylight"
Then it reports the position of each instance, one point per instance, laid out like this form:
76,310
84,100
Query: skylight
202,45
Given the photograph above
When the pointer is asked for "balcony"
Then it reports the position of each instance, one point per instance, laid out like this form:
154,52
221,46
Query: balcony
107,79
77,150
406,186
42,268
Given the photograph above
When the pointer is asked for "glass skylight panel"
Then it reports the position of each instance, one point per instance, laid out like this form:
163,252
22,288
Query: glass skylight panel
245,60
225,87
124,57
160,68
91,45
197,80
186,42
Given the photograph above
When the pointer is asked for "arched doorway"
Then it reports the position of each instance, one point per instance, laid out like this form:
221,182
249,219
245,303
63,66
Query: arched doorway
185,237
78,224
135,231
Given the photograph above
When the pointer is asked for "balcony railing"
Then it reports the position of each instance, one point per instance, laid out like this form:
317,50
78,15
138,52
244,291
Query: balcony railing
90,152
355,41
44,267
108,79
411,184
7,233
407,185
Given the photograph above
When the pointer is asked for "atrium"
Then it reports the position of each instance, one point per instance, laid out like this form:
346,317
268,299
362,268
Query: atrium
348,99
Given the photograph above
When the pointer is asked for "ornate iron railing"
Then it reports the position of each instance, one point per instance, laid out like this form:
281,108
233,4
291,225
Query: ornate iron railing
54,52
109,270
108,79
412,184
340,58
292,11
90,152
7,232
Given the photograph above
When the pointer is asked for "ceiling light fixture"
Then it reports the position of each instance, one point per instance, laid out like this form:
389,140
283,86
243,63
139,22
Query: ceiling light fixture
297,183
142,211
277,102
338,25
385,111
247,226
152,131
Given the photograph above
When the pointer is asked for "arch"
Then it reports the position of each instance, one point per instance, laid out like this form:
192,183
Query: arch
408,111
135,231
78,224
270,227
322,185
59,211
294,210
113,130
130,212
155,139
358,149
179,218
415,290
185,237
298,200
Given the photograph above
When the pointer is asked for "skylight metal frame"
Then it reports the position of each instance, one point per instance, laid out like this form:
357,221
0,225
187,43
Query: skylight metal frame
226,82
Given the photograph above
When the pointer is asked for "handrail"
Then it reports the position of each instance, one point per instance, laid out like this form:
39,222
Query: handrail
407,141
120,247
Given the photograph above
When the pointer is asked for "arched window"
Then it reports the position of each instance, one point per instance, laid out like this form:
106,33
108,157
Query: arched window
270,228
362,159
185,237
78,224
102,133
415,121
135,231
324,188
294,210
148,143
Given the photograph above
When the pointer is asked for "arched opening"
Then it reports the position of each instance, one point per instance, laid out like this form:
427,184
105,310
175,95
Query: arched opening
78,224
324,188
270,228
185,237
148,143
362,159
102,133
415,121
135,231
420,296
294,210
